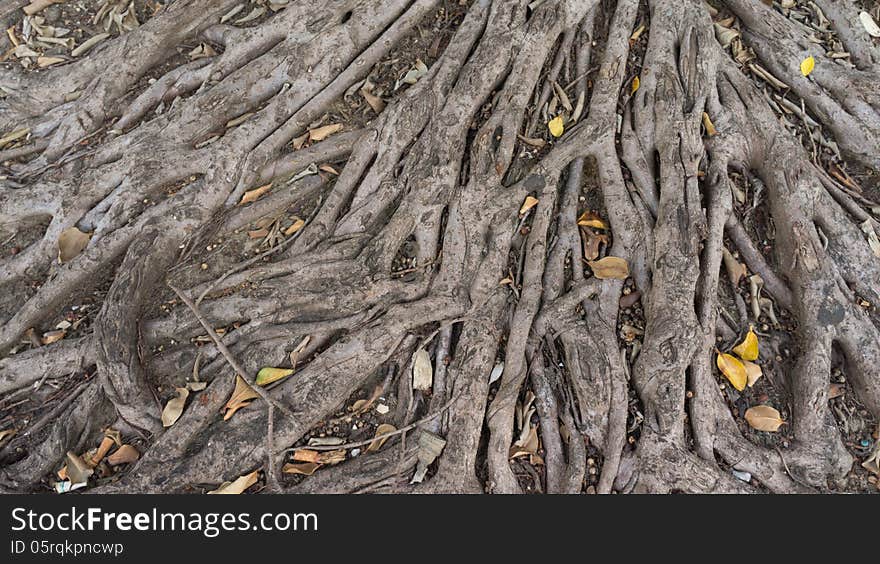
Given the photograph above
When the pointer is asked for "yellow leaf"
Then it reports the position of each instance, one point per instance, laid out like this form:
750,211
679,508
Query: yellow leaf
556,126
748,349
174,408
528,204
268,375
710,127
295,226
753,372
807,65
382,429
764,418
252,195
590,219
71,242
239,485
733,370
609,268
635,85
241,397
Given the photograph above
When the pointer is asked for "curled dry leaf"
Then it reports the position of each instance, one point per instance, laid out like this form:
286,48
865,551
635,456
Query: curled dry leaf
253,195
125,454
556,126
764,418
239,485
6,434
609,268
807,65
590,219
71,242
375,102
268,375
430,447
241,396
381,430
635,86
423,371
321,133
592,243
174,408
748,348
733,370
753,372
528,204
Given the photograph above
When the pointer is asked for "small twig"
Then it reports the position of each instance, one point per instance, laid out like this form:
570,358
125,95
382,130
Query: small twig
400,431
271,476
228,355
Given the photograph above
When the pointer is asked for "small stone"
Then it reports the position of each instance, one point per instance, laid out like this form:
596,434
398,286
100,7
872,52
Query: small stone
689,394
631,440
204,266
382,409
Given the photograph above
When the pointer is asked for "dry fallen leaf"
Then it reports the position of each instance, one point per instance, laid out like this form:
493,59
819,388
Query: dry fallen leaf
6,433
764,418
733,370
635,86
590,219
321,133
303,468
753,372
174,408
836,390
77,469
592,243
268,375
294,227
241,397
870,25
53,336
124,455
807,65
375,102
430,447
609,268
556,126
528,204
873,241
71,242
239,485
423,372
382,429
710,127
252,195
748,349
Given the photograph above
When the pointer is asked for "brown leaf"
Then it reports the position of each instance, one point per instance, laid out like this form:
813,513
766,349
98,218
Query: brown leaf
836,390
306,455
241,396
239,485
44,62
174,408
375,102
304,468
592,243
329,169
253,195
753,372
539,143
52,336
125,454
382,429
105,446
77,469
764,418
610,268
321,133
71,242
258,233
298,142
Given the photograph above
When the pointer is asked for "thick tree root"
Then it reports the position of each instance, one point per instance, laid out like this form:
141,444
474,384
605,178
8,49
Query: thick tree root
421,241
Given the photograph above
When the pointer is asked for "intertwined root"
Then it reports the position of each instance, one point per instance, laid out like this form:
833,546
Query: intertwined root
439,178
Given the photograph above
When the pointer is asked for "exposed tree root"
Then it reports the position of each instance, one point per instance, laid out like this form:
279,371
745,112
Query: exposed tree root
419,242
